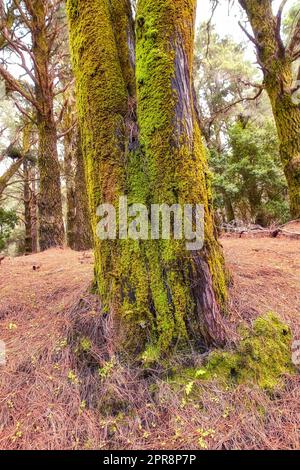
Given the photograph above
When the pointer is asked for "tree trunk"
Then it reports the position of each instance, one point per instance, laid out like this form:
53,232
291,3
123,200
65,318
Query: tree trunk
34,211
78,218
51,228
27,209
69,179
230,216
276,62
158,293
83,240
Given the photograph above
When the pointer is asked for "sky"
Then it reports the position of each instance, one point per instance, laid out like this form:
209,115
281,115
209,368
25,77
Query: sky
226,19
226,22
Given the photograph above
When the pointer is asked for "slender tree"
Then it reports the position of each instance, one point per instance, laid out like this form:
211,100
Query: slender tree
276,60
78,228
38,18
157,292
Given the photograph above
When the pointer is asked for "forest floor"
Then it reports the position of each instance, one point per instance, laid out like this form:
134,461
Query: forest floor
58,391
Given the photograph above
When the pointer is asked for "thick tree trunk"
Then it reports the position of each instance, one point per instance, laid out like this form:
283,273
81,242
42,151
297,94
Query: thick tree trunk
276,63
29,193
158,292
51,228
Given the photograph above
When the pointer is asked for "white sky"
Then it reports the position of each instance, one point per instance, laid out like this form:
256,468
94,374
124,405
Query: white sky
226,19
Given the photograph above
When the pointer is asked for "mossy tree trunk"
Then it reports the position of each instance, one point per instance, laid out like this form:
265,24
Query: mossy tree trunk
51,227
276,61
78,229
158,293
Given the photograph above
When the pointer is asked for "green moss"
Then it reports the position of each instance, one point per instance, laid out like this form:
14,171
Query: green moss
262,356
146,284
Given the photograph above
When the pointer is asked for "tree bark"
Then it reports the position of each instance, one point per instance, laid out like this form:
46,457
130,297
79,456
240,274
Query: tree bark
158,293
34,210
276,62
229,211
51,227
27,209
78,218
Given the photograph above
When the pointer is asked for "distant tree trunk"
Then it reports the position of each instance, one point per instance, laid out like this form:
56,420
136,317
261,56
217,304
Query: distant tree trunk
70,190
78,217
276,62
51,227
27,208
34,211
83,239
158,292
228,208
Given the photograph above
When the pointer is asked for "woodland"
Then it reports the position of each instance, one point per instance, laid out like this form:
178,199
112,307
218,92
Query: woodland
139,343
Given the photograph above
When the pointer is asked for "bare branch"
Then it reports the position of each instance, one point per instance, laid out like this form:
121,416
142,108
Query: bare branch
16,86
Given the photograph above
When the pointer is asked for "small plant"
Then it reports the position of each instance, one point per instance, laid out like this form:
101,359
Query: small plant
73,377
202,441
107,368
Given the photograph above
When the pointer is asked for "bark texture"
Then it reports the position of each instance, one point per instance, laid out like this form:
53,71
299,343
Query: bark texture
159,293
78,218
51,227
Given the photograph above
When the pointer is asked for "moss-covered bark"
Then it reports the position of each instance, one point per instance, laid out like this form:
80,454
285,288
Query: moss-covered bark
158,293
276,62
189,290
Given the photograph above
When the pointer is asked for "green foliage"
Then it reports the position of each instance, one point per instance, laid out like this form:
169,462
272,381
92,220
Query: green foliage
249,173
221,72
8,221
290,20
248,178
